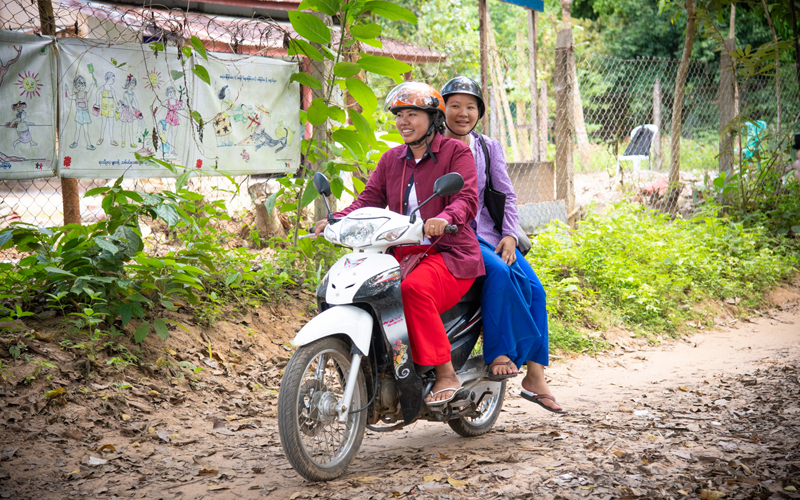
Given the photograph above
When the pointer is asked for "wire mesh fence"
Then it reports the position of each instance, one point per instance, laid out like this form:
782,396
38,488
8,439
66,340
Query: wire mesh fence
620,119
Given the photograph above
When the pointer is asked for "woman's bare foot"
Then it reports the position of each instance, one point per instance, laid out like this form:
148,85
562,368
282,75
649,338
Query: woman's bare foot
445,379
535,382
502,365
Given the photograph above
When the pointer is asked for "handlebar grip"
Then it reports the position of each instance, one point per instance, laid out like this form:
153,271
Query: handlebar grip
451,229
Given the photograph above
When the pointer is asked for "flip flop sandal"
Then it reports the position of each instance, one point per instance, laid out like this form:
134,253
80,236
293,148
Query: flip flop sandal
459,393
537,398
500,377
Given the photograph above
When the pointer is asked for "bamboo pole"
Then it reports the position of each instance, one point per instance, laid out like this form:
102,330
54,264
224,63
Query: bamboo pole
499,86
533,19
482,11
657,122
523,134
777,65
543,123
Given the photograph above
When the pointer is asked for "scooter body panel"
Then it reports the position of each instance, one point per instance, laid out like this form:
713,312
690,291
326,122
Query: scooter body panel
348,320
349,273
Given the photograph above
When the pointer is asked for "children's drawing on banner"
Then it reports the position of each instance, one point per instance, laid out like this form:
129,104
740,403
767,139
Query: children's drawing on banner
254,110
21,125
80,96
27,94
222,122
133,109
4,67
106,108
169,125
130,115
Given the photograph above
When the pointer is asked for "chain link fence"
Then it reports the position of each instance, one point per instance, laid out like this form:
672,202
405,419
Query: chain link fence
619,137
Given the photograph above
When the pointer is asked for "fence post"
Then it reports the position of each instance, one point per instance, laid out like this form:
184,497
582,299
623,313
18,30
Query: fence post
532,53
70,199
565,106
482,10
657,122
727,107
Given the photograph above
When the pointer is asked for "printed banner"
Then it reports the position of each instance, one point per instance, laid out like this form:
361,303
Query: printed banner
113,100
252,116
118,100
27,101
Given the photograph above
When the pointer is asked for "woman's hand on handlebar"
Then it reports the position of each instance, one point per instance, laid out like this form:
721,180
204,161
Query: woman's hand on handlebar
435,227
320,226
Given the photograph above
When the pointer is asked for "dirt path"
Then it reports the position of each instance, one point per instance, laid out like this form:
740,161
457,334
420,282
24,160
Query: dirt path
713,414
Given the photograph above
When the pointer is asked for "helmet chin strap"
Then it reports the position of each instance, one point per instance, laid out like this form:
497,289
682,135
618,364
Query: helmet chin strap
460,135
431,130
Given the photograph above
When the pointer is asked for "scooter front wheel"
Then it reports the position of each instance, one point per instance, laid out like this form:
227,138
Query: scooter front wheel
488,411
318,446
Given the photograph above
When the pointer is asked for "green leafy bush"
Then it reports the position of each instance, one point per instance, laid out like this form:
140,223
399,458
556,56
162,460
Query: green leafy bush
635,265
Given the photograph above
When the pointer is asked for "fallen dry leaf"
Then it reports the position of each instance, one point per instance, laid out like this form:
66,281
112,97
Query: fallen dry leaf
107,447
457,483
54,393
711,494
432,477
206,469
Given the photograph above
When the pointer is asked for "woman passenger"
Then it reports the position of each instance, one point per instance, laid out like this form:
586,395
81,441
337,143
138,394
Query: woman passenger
513,301
404,176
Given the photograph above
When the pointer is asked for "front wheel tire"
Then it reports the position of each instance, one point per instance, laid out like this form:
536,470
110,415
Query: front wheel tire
316,444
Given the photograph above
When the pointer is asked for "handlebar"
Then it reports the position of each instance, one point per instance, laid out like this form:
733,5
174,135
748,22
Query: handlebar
451,229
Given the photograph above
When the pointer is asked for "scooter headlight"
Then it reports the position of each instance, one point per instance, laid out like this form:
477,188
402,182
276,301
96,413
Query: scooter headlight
358,232
392,234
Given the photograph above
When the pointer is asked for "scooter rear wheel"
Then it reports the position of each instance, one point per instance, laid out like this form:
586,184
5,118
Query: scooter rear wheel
316,444
488,410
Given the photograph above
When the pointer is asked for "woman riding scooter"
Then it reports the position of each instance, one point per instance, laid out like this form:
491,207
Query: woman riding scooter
513,299
404,176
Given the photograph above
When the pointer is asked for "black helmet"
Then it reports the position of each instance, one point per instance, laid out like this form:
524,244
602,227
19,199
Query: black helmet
464,85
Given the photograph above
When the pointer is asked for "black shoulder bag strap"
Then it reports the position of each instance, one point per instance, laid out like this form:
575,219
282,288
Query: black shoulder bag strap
495,201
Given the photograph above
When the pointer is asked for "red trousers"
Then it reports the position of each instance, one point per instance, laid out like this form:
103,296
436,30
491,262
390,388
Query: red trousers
428,291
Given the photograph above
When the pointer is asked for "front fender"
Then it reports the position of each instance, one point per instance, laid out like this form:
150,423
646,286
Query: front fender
348,320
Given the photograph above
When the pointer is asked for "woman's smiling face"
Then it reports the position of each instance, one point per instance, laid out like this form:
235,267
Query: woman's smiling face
412,124
461,113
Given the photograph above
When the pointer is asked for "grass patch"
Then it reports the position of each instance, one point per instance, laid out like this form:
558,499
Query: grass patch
635,267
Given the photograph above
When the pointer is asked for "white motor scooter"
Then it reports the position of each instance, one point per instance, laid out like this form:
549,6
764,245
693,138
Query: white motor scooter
353,367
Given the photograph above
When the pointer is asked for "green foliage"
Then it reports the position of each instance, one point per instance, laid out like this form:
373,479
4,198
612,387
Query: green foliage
353,148
634,265
101,268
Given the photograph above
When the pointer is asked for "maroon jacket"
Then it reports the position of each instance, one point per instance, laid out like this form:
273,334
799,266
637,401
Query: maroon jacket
389,186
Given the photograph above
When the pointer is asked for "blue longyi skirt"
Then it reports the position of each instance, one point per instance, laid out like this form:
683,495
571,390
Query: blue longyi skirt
514,306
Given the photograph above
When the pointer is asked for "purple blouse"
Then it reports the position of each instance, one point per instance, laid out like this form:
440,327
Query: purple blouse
483,223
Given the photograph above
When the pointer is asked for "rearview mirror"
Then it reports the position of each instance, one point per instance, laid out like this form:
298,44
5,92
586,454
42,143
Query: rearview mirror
448,184
322,185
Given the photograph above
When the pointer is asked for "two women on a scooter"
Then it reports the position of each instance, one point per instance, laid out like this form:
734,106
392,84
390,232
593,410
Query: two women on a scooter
404,176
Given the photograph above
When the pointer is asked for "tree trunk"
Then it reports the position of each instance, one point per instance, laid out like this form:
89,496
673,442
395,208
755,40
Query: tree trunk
532,54
497,74
793,12
579,122
727,106
70,197
677,111
777,65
